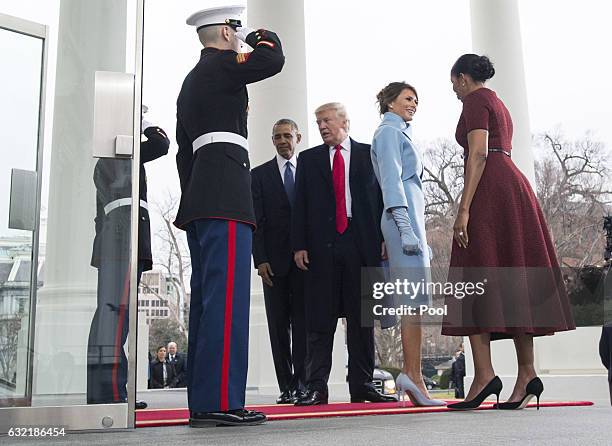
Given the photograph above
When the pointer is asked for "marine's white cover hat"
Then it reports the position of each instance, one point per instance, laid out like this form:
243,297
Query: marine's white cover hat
219,15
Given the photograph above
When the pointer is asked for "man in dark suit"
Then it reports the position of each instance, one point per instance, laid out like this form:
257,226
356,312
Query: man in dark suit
216,210
458,373
273,187
179,361
336,232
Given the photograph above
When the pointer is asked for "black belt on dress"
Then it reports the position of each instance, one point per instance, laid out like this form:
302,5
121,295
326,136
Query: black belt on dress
505,152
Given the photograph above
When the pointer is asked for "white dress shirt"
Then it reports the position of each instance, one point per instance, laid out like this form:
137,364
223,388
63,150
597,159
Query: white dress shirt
282,162
346,154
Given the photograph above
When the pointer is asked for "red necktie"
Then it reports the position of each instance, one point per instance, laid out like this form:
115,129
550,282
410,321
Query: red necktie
339,192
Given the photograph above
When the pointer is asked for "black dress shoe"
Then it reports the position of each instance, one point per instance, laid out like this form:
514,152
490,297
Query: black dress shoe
372,396
141,405
313,398
238,417
299,395
285,398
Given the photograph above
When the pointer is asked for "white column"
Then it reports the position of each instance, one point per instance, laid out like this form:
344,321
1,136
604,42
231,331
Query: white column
284,95
496,32
142,363
91,36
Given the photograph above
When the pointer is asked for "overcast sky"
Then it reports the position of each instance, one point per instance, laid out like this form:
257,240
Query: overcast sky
353,52
567,66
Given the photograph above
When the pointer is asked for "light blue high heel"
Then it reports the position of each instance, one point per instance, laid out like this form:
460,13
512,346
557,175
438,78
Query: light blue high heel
405,386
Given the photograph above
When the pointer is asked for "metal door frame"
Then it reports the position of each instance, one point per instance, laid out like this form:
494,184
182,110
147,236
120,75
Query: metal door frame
81,417
37,31
135,218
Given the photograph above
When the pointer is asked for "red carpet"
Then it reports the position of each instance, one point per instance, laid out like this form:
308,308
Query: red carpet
179,416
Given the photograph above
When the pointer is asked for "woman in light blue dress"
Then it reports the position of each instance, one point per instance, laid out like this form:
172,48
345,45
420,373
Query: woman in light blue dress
398,167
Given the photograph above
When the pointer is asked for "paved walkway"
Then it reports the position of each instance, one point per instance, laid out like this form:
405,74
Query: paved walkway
550,426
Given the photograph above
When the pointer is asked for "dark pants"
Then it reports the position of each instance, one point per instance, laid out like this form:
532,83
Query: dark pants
106,360
287,328
360,340
459,388
219,314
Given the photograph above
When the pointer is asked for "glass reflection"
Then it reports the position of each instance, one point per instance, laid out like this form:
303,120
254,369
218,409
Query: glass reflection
20,81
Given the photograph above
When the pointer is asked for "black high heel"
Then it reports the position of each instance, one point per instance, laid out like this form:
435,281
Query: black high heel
535,387
493,388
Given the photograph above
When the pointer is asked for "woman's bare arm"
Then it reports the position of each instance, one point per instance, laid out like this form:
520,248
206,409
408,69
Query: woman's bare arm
478,141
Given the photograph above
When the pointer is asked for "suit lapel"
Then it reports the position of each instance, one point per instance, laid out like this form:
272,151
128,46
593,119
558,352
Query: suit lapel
275,176
323,164
354,162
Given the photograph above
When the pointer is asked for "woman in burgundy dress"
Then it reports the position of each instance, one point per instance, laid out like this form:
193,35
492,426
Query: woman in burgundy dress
501,244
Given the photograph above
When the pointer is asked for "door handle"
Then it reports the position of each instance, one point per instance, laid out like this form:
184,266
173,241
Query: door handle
22,207
113,125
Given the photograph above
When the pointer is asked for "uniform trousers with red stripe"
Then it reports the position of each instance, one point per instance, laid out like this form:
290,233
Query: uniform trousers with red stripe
107,365
219,314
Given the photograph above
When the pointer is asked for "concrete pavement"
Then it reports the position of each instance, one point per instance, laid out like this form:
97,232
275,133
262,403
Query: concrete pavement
550,426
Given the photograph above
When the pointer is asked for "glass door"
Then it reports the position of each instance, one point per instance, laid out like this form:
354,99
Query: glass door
20,94
69,94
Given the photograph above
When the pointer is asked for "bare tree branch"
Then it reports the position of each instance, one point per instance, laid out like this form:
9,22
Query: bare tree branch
172,254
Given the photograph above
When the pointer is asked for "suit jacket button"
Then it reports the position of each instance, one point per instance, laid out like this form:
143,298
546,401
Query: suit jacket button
329,245
330,219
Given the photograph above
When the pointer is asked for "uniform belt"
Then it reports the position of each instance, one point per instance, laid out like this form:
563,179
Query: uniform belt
209,138
123,202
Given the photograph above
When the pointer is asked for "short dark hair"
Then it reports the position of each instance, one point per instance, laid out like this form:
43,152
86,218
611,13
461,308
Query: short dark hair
480,68
286,121
390,94
160,347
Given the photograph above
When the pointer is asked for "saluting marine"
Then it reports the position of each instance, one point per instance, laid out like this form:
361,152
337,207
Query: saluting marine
106,360
216,209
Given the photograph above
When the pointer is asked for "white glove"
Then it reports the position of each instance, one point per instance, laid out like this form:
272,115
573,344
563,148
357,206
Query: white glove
145,125
242,33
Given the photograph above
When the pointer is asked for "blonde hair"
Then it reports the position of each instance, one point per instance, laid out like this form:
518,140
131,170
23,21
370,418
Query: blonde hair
210,35
338,106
